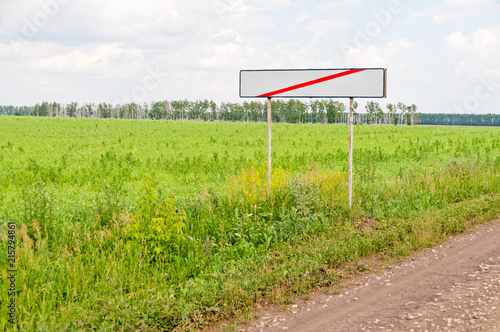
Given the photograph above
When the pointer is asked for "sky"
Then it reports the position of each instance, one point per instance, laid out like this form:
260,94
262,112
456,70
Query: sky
442,55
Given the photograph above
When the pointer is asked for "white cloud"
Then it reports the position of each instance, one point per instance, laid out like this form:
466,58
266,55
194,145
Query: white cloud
171,22
414,15
401,44
462,8
223,56
231,9
494,74
336,7
320,26
456,41
265,5
375,56
104,60
225,36
482,43
461,68
473,58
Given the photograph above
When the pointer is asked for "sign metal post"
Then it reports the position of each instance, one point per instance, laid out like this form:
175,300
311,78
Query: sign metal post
269,119
351,137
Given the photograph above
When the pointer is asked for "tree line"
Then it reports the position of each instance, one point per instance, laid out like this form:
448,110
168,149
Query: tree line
284,111
460,119
290,111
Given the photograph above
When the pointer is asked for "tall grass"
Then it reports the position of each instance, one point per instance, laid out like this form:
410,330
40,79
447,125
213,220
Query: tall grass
163,225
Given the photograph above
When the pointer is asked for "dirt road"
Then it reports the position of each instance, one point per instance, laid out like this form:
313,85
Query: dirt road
452,287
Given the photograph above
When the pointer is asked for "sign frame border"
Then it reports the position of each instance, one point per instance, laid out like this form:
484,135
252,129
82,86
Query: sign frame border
318,97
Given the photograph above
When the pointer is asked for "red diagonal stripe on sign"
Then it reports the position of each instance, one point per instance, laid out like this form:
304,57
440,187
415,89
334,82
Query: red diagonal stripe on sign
316,81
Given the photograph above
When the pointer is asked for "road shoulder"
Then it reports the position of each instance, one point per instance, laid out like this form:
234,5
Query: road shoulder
454,286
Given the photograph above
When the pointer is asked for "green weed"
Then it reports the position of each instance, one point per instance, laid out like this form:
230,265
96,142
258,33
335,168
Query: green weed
101,247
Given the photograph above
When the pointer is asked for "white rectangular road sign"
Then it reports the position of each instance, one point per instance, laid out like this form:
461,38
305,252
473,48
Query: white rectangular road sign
314,83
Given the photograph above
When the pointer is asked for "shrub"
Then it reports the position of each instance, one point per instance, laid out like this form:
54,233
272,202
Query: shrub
38,210
249,188
158,224
331,186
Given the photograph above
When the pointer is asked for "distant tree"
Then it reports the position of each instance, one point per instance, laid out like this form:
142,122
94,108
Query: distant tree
104,110
247,111
144,111
35,111
302,111
314,107
255,110
120,111
294,111
88,110
115,111
318,111
372,112
71,109
278,113
392,112
130,111
41,110
403,111
334,110
412,110
199,110
157,111
176,106
355,113
235,111
224,111
213,111
416,118
180,109
56,109
380,115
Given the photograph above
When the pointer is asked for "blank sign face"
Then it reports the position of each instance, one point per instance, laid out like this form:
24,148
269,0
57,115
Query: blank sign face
314,83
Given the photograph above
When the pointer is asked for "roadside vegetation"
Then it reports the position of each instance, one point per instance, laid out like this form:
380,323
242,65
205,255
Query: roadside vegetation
157,225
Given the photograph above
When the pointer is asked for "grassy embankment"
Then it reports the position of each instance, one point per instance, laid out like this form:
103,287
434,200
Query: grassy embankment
102,244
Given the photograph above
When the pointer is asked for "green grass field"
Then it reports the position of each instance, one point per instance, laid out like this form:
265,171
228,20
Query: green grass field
155,225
